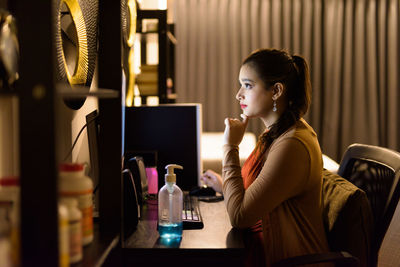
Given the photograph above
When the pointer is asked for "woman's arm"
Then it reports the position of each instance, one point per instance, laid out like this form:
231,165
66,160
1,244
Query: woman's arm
284,175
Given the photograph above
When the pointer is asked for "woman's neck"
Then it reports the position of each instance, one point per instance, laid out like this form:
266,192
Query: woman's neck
271,119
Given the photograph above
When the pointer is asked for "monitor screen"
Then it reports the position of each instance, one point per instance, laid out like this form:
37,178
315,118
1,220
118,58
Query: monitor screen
173,133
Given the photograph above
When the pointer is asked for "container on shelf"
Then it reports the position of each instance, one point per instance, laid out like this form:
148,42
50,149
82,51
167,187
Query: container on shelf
74,183
74,229
63,236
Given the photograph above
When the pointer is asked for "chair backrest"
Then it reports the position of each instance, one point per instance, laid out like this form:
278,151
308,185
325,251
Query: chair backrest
347,217
376,170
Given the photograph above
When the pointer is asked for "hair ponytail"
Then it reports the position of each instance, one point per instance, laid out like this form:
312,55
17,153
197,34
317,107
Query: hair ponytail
303,94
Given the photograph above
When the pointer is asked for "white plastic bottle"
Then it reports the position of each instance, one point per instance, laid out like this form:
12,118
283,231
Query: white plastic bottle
63,236
170,206
74,229
74,183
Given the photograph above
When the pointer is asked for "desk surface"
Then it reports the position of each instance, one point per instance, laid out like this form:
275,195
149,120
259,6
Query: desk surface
216,243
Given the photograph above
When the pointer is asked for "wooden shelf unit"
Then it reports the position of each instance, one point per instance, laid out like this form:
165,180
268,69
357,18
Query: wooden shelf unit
37,93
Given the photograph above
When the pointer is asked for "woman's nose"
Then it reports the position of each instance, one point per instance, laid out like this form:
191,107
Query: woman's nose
239,94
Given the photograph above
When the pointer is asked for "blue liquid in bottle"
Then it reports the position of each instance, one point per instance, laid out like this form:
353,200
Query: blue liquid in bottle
170,230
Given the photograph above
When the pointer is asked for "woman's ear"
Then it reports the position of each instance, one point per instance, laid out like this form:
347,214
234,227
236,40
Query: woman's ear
277,90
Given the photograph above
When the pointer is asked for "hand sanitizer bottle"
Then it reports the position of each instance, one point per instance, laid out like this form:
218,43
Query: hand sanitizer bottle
170,206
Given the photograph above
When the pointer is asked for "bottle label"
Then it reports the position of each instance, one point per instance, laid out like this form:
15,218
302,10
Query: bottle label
64,259
75,238
85,205
87,221
76,193
63,242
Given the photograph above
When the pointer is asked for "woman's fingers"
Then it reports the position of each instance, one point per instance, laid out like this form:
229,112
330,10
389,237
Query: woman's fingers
212,179
245,119
227,122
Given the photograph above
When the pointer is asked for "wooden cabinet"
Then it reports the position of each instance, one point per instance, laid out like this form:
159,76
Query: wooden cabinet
38,147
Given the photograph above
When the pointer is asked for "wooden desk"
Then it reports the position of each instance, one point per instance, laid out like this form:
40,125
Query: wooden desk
217,244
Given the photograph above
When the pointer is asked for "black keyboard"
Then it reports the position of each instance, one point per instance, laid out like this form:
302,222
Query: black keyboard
191,216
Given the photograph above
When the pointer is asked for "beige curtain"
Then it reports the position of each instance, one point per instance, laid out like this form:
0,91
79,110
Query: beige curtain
361,75
352,48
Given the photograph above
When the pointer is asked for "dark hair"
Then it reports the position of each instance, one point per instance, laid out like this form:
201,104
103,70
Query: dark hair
274,66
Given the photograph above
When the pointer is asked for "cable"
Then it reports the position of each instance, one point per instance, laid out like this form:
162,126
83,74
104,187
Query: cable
77,137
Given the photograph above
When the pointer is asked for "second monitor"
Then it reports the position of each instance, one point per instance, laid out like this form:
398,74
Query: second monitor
173,133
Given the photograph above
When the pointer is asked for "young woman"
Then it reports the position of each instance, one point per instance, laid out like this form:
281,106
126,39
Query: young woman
277,193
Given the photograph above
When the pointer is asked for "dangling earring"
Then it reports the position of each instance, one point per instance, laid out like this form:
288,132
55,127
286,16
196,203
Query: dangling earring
274,109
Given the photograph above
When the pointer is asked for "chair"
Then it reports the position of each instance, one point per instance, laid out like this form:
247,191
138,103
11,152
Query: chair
348,221
376,170
347,216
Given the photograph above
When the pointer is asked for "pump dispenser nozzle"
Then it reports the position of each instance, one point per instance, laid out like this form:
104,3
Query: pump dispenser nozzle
170,176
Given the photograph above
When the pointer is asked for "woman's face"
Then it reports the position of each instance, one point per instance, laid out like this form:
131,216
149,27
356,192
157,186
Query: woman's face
255,100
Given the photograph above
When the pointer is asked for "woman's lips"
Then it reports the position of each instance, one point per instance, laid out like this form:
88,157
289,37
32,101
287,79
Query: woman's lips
243,106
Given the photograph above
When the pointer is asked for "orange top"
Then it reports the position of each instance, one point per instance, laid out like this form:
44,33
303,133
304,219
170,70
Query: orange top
254,241
250,170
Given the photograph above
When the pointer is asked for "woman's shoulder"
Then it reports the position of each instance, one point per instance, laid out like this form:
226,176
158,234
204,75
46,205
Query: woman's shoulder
301,140
301,132
300,129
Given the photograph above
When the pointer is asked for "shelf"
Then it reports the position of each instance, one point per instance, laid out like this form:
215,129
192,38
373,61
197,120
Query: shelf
162,42
39,92
97,252
78,92
8,93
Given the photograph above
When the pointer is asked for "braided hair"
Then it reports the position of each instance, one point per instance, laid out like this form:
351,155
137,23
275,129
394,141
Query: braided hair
274,66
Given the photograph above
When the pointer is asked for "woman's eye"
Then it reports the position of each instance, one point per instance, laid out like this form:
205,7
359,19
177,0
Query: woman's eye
247,86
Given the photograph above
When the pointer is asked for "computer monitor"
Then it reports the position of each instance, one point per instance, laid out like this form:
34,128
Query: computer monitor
173,131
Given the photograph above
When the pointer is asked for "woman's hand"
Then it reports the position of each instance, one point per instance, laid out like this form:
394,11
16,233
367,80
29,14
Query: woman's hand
234,130
213,180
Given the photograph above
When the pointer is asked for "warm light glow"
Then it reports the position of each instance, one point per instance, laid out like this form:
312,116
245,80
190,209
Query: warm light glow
129,101
152,49
136,91
131,81
330,164
153,4
152,101
136,58
162,4
132,22
211,148
137,101
211,145
131,56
